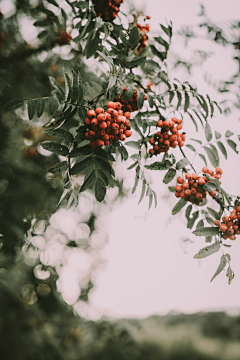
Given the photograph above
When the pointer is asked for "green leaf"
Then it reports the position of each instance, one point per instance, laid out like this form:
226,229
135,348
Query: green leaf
211,156
128,94
211,106
208,132
226,196
193,120
136,63
198,141
40,106
160,54
100,190
217,135
41,23
230,275
74,87
179,96
187,102
88,181
55,147
150,201
181,203
232,145
209,220
155,198
124,153
134,37
14,104
222,149
133,144
150,101
81,166
181,164
200,224
59,167
188,211
214,150
191,147
52,105
63,134
169,176
206,231
133,165
208,250
171,189
143,191
228,133
56,86
192,220
68,87
203,103
214,213
53,2
221,266
209,186
208,239
203,158
164,165
140,99
136,179
31,108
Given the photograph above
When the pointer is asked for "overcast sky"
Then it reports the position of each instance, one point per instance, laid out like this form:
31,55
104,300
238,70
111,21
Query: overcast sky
150,268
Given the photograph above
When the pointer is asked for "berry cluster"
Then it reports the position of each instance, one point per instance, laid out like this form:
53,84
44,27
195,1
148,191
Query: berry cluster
107,9
230,225
131,104
169,136
63,38
103,127
143,39
191,189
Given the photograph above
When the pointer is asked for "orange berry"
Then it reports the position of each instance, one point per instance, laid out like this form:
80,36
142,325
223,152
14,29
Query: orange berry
229,223
201,181
93,144
103,125
128,133
223,227
195,176
182,195
225,218
87,121
232,217
188,176
193,191
217,223
230,231
212,193
238,208
180,180
111,105
151,152
225,236
185,185
232,237
99,110
91,113
178,188
181,143
235,227
152,141
218,170
205,170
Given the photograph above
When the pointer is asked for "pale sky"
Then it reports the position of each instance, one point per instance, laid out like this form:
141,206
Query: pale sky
150,269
